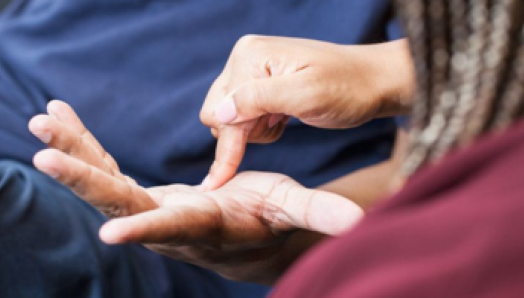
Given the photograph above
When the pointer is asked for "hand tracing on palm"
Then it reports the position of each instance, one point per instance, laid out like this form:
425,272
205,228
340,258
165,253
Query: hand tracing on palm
245,223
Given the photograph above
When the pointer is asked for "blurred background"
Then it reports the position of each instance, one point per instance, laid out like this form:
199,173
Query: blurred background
3,3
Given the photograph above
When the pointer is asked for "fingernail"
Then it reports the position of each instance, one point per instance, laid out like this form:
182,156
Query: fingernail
43,136
205,184
274,120
109,235
51,172
52,111
226,111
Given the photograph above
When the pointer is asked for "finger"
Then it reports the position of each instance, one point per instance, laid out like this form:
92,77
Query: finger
328,213
275,95
263,134
64,113
111,196
56,135
229,153
274,120
177,226
312,209
217,92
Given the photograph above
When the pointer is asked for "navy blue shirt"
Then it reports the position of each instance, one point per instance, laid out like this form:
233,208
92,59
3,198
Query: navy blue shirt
137,72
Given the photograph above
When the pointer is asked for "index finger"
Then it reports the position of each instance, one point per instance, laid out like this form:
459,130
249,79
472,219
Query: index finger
231,147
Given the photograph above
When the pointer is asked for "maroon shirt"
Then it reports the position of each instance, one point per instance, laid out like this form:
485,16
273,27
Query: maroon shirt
455,230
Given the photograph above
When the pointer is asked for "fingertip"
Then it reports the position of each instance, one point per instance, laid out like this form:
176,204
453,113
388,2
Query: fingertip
119,231
212,185
40,127
110,233
56,104
204,186
341,219
38,122
216,181
57,108
217,177
46,156
229,153
46,161
41,122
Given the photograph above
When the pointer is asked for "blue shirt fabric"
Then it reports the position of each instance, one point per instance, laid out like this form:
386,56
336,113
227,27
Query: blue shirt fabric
50,248
137,72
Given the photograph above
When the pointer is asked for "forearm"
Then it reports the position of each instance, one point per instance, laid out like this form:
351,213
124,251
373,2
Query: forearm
367,186
364,187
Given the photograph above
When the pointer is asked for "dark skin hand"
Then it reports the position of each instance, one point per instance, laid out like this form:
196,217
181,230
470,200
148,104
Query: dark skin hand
250,229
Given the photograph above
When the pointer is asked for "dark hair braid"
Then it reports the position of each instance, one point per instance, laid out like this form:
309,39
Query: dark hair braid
469,59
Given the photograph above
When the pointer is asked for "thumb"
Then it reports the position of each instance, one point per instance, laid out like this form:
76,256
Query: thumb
320,211
256,98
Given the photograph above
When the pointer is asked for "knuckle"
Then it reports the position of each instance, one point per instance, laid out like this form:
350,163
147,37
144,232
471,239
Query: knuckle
206,116
311,85
217,92
249,42
76,146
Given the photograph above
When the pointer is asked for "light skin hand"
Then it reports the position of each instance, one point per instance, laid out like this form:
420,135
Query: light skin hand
246,230
369,185
267,80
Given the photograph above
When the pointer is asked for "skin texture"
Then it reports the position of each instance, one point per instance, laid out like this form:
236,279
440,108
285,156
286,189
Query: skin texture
250,229
249,226
369,185
269,79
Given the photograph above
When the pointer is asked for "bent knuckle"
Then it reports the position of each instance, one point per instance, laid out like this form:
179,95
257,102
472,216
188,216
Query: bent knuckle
207,117
248,43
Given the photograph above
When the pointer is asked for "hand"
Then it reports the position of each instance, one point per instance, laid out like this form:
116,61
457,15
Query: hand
268,79
246,230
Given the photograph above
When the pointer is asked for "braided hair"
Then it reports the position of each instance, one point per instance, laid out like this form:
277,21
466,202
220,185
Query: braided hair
469,60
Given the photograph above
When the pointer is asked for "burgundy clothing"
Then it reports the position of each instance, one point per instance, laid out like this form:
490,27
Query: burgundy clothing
455,230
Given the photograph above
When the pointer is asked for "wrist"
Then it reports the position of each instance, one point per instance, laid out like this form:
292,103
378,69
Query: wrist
390,69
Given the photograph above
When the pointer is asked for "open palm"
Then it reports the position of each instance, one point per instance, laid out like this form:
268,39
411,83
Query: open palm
245,230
